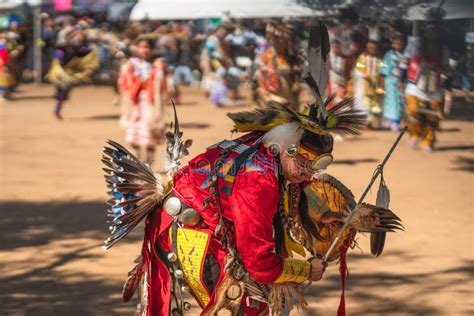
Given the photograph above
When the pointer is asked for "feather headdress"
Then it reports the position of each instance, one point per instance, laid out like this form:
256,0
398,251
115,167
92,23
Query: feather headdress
339,118
321,117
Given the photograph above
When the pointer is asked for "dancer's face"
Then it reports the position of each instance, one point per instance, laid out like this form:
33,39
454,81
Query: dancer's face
293,170
77,40
372,49
336,48
398,45
144,50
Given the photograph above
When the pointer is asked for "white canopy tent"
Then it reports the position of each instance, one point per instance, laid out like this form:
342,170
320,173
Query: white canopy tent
455,9
11,5
202,9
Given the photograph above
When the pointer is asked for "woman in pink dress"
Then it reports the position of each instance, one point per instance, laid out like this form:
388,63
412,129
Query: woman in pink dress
143,81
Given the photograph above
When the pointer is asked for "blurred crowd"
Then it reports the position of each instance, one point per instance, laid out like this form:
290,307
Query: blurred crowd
390,72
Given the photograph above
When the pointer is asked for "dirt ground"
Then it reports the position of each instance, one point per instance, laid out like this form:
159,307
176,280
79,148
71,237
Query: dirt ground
53,215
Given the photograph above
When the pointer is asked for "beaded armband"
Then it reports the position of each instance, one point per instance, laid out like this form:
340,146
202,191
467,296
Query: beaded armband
294,270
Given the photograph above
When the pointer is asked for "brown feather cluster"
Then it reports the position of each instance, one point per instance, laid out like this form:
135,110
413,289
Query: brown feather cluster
370,218
134,190
342,118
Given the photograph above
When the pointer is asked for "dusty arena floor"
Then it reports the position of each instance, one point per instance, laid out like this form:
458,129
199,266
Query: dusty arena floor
52,212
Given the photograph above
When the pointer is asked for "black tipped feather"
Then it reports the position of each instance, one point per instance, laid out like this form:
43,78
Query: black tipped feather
317,71
377,243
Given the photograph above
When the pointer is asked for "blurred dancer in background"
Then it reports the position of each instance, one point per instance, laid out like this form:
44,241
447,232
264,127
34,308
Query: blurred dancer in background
279,67
339,71
144,81
428,57
6,79
393,70
367,84
74,63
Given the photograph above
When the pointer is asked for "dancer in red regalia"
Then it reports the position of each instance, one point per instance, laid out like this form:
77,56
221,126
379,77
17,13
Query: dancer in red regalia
232,226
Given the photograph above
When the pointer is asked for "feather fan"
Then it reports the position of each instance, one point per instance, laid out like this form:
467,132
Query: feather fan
134,190
374,219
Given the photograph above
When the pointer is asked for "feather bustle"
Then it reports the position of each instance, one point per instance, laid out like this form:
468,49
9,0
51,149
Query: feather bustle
135,191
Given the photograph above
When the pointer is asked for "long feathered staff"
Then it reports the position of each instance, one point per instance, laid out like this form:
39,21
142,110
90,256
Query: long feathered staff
379,220
388,223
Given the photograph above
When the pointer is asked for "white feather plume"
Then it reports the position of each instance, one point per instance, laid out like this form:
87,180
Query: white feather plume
283,136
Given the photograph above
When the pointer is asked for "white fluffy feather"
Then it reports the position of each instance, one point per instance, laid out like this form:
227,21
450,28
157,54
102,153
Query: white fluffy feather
283,136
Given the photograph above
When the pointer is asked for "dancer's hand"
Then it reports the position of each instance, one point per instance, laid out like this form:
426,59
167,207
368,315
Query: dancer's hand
318,266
